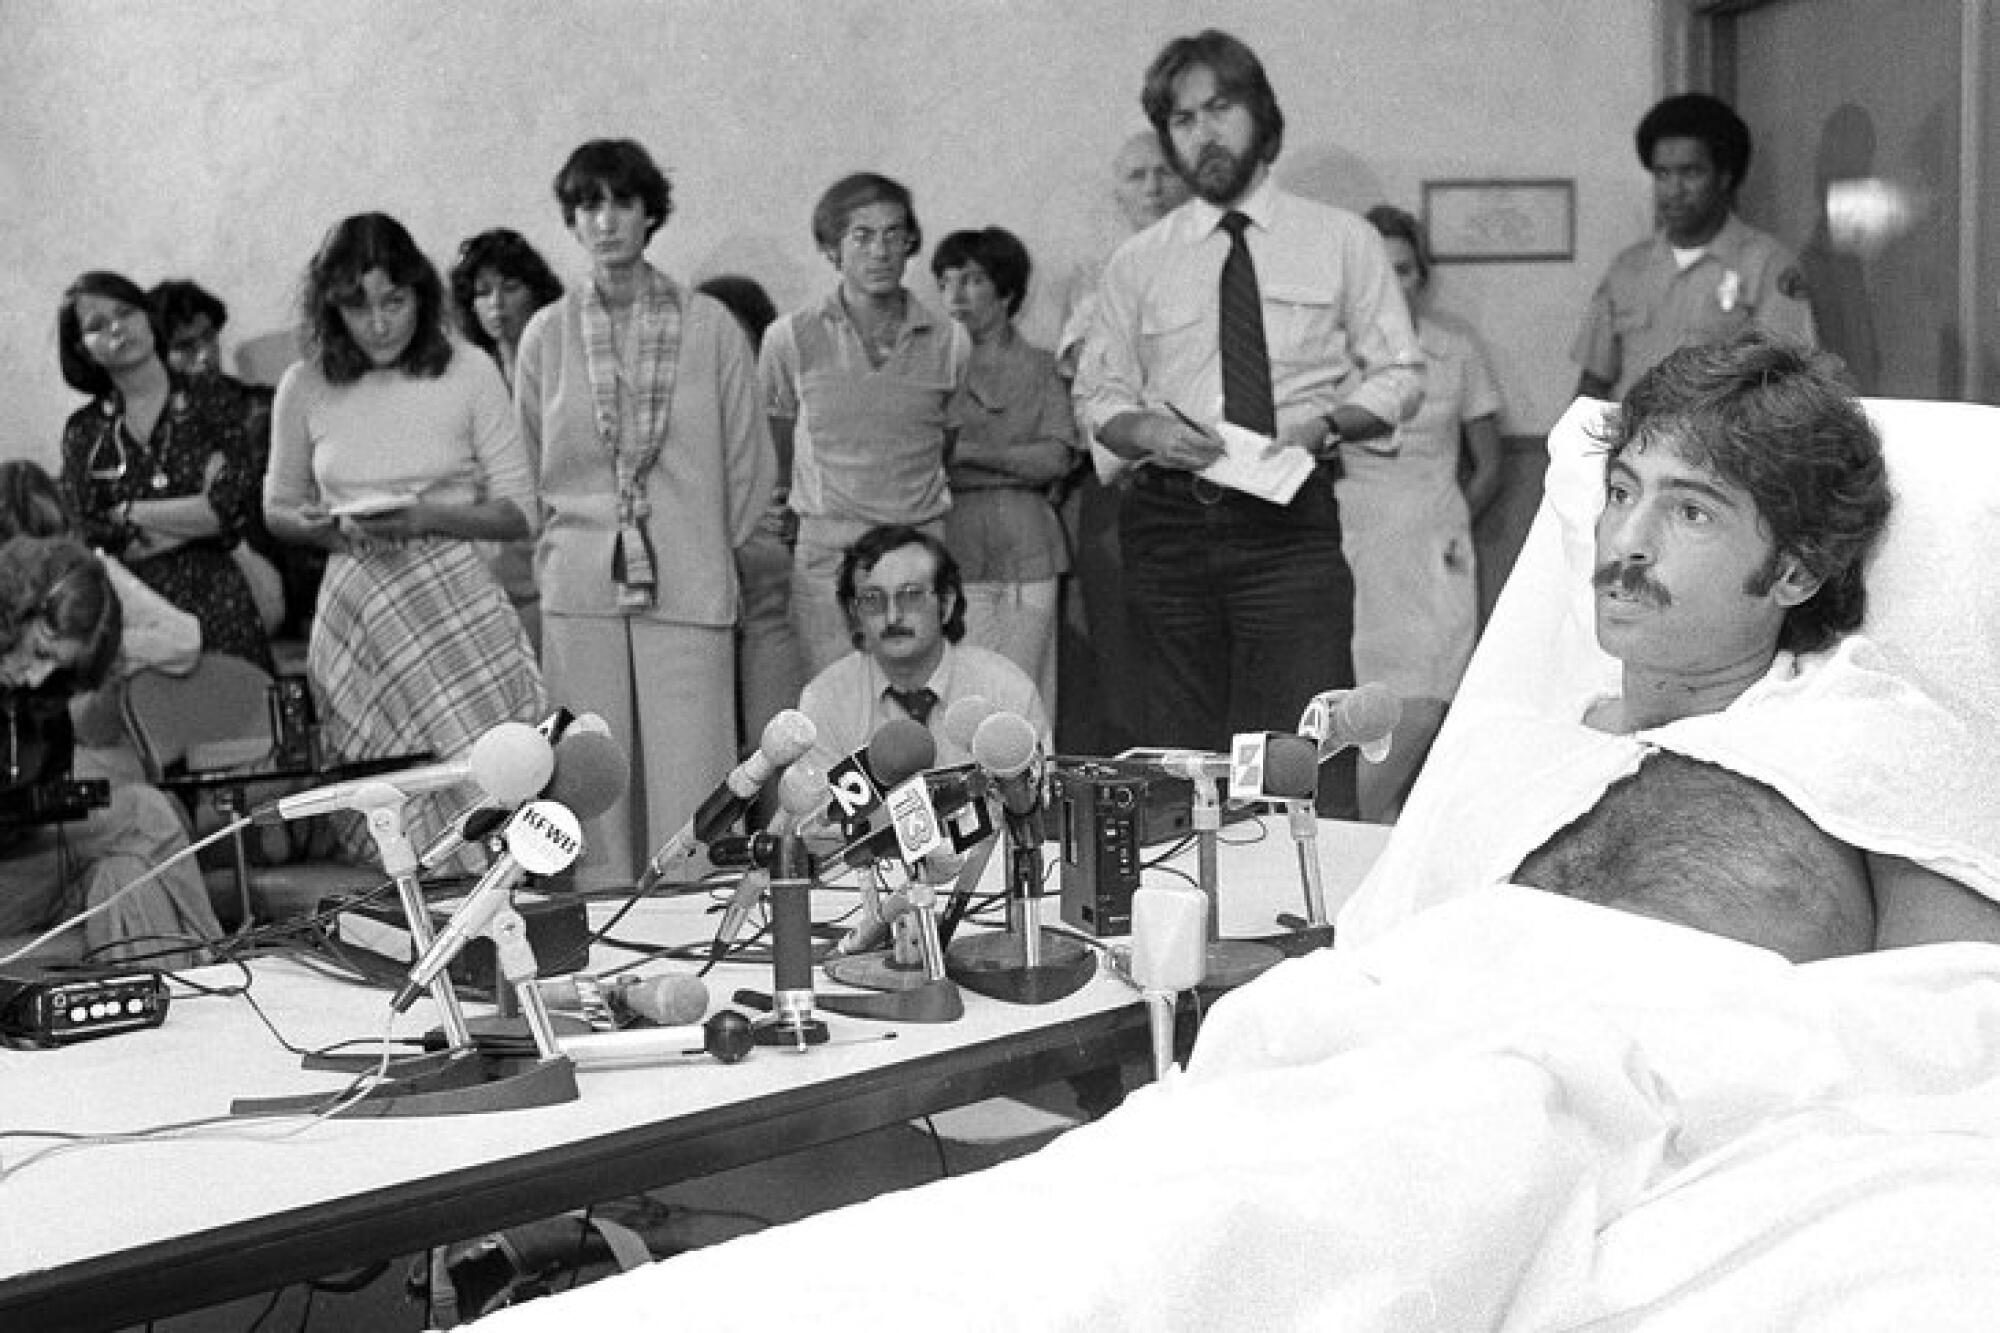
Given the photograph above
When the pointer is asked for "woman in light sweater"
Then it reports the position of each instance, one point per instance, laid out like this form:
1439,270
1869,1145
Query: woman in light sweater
393,448
638,398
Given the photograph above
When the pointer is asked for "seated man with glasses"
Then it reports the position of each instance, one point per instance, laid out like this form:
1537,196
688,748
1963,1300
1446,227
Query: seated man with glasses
905,606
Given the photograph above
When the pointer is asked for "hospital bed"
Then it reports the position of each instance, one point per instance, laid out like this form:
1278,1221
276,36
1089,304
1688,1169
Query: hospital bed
1491,1107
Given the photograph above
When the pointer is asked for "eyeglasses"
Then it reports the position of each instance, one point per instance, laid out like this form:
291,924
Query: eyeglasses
896,240
909,598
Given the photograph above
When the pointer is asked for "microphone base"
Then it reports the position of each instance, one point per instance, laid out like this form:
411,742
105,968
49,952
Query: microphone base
1233,962
464,1083
876,970
995,965
933,1002
771,1030
1298,938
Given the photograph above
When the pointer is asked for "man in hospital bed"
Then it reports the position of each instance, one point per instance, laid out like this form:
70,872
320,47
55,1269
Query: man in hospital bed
1743,488
1492,1106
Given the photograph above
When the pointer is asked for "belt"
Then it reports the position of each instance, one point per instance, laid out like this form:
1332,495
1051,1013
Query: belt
1189,485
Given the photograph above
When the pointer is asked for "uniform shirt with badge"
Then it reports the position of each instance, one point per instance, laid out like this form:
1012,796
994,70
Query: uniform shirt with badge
1649,303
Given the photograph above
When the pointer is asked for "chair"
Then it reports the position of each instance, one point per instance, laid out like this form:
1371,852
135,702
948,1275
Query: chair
212,722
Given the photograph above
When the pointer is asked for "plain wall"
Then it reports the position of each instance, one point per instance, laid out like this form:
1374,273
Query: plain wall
218,139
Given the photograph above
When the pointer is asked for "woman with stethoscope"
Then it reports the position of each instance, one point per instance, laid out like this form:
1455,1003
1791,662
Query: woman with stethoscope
158,467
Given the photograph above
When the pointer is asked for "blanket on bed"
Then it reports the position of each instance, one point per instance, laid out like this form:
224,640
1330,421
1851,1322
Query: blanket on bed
1518,1112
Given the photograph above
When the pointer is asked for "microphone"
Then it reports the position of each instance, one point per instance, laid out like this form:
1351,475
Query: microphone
1006,748
510,763
541,839
899,749
1192,765
962,719
477,822
1273,766
1169,955
670,1000
1365,716
590,775
801,791
787,736
728,1036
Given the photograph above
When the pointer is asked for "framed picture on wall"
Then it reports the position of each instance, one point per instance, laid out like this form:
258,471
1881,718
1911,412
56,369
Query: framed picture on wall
1500,221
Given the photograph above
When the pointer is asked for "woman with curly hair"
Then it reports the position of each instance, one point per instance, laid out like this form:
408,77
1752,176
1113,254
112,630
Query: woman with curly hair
397,453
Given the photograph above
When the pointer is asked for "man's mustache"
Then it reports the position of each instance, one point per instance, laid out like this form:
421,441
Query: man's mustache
1632,579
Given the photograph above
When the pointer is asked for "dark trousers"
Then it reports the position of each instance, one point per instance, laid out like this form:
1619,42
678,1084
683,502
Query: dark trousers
1251,612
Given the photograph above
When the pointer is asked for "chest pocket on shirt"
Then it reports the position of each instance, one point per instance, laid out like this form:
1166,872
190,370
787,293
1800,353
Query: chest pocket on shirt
1302,325
1176,329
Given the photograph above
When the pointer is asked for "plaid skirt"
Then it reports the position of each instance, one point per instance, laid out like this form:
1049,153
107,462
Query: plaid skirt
414,648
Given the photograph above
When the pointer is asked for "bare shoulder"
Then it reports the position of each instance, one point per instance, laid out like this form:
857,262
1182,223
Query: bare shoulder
1914,905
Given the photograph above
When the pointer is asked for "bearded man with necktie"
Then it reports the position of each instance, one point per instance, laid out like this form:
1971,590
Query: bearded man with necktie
1276,321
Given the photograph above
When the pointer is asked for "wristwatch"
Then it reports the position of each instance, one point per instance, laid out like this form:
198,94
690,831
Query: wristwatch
1330,446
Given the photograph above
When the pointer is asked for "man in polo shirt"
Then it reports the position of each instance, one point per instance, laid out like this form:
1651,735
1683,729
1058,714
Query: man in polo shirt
905,605
856,387
1705,275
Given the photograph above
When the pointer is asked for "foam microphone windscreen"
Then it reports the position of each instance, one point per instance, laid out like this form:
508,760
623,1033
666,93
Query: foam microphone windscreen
802,788
1368,713
671,1000
511,762
962,719
787,736
591,773
1004,744
1291,768
900,749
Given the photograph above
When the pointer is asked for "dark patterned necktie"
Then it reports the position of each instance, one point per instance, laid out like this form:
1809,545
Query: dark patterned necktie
1246,362
917,703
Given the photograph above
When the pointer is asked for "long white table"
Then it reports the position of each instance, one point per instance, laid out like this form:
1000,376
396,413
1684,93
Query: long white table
116,1233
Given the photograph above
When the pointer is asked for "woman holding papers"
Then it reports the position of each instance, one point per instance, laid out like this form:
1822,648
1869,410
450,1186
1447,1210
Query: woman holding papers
393,447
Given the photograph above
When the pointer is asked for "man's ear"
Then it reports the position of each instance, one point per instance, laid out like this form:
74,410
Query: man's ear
1795,584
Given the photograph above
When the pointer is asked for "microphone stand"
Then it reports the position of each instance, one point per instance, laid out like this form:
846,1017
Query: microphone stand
1230,962
791,1022
1024,964
1317,931
462,1080
910,974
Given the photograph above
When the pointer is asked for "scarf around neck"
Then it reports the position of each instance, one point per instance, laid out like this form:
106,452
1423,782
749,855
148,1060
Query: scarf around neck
649,377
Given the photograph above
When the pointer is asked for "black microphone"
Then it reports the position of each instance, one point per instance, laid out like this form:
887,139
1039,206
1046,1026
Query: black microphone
786,737
792,1021
801,791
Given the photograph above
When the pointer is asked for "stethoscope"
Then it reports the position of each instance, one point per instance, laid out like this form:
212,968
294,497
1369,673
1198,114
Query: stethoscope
114,469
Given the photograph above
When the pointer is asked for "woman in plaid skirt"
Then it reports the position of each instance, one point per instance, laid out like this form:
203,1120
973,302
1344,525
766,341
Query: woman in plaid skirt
394,448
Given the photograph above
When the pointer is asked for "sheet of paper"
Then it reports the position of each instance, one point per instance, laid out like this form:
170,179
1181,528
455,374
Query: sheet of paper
1250,464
